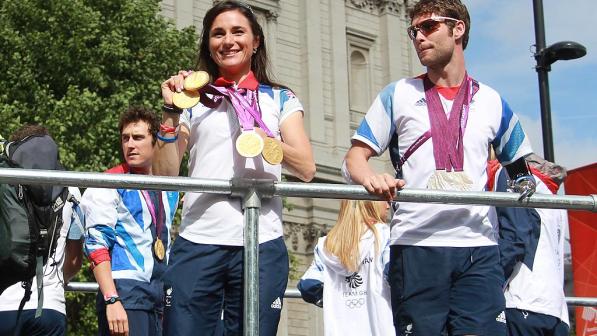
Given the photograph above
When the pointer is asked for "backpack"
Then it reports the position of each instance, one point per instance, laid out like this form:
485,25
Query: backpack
30,215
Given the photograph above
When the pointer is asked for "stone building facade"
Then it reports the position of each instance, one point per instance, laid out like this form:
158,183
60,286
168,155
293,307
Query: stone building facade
335,55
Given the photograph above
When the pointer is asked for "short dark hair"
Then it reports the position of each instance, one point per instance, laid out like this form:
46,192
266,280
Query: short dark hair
140,113
28,130
449,8
259,61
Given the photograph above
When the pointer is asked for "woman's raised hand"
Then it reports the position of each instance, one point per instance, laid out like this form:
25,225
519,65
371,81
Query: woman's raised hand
173,84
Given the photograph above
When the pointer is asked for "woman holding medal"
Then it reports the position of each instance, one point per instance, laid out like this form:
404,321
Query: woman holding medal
245,126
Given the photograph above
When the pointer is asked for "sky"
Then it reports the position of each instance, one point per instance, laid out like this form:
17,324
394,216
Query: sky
500,54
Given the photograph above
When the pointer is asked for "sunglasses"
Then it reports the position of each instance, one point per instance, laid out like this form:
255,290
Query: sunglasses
427,26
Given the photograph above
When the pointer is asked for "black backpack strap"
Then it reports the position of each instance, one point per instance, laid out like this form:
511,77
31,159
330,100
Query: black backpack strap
27,287
39,275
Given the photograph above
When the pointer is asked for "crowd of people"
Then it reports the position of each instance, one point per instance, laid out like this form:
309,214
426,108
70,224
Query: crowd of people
435,270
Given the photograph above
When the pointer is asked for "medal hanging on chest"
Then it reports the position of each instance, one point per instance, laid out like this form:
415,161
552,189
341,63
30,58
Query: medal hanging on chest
249,143
159,251
447,135
157,221
272,151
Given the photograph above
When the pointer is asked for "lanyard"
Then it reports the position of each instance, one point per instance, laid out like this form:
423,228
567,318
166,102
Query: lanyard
425,136
447,133
244,102
157,215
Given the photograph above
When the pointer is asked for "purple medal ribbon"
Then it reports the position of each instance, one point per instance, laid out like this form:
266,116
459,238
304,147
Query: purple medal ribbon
244,102
156,216
472,86
447,132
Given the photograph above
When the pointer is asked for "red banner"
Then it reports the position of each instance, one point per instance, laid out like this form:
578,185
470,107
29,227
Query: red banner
583,245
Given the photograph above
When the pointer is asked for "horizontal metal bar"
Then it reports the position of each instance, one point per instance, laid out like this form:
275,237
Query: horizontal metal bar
100,180
582,301
85,287
92,287
505,199
313,190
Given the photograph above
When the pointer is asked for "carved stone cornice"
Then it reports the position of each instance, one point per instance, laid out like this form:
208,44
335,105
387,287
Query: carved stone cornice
271,15
269,8
396,7
302,237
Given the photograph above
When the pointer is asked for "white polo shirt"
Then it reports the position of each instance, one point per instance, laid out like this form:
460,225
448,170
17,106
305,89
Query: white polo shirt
401,109
218,219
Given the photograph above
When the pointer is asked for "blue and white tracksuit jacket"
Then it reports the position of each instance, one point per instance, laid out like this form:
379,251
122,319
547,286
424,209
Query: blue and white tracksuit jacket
119,229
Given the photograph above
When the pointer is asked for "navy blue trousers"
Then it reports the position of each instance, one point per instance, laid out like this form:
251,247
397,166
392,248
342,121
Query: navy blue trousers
447,290
202,281
528,323
141,323
50,323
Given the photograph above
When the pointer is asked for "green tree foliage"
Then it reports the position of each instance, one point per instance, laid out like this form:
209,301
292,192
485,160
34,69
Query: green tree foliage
74,66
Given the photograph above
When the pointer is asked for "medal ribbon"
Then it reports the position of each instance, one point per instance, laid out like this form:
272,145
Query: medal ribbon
157,217
244,102
447,133
423,138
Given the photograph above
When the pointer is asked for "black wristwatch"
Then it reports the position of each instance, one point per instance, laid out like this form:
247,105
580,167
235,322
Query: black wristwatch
111,300
171,109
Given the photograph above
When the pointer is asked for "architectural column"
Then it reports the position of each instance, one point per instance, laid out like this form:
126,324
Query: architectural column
340,74
183,10
393,37
314,70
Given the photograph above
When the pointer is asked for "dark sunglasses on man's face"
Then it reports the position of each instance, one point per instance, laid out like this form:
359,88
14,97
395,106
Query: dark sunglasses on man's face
427,26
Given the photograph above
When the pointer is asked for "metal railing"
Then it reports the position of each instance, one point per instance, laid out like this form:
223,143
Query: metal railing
252,190
92,287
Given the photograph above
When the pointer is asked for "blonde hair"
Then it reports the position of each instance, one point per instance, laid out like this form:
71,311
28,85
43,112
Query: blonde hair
354,219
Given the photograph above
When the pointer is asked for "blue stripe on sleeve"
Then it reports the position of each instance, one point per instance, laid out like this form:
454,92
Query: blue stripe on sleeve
130,245
267,90
99,236
283,99
120,261
504,123
365,131
511,147
386,97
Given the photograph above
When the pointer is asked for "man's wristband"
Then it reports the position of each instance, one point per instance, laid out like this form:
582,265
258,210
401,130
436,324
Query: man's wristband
167,140
171,109
168,129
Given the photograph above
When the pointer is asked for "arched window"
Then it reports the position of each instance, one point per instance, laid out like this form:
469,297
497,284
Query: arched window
359,82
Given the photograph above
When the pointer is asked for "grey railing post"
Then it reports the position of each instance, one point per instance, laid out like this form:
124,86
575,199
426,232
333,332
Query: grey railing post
251,206
251,191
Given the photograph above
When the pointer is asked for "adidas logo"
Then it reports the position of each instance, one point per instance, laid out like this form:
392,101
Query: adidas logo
277,304
421,102
501,317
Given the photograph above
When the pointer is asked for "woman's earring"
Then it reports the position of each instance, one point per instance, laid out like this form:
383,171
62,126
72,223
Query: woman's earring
254,51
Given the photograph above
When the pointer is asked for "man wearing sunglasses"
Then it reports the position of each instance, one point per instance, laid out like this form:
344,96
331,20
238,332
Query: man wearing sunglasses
444,262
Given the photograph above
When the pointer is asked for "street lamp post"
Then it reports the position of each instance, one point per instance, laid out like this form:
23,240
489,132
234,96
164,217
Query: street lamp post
545,57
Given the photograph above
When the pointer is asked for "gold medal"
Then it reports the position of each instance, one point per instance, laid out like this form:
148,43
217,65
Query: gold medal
196,80
272,151
185,99
158,250
249,144
443,180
